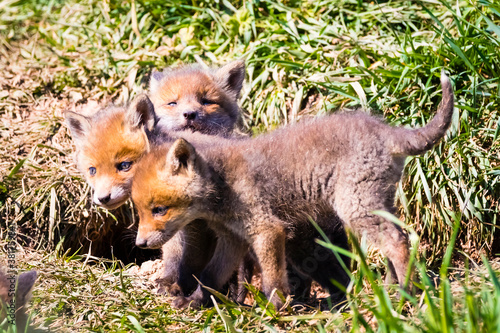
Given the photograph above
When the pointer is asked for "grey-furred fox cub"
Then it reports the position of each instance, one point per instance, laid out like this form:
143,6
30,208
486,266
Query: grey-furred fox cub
205,100
256,193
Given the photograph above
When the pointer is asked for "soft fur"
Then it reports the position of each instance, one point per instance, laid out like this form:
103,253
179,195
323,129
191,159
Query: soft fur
112,136
210,97
258,193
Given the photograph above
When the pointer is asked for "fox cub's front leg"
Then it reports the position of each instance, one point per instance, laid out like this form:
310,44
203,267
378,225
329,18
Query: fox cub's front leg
268,243
186,255
172,256
229,253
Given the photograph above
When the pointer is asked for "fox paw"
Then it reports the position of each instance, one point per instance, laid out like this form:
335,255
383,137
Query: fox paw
182,302
174,290
165,287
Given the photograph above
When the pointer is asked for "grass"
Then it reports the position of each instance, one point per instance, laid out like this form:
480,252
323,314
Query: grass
77,293
303,58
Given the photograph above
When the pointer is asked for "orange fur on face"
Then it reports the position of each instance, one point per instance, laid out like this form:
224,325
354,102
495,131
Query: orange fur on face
191,91
109,141
153,188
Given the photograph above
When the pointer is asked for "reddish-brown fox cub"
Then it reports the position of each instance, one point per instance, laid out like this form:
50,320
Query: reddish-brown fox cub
255,193
205,100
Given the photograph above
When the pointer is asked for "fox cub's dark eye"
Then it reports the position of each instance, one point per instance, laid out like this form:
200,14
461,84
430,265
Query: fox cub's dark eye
124,166
160,210
172,104
207,102
92,171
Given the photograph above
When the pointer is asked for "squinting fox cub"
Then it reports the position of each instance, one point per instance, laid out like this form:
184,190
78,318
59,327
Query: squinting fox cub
205,100
256,192
201,100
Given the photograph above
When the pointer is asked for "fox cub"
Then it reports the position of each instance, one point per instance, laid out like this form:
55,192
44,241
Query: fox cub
15,293
201,100
205,100
108,146
256,192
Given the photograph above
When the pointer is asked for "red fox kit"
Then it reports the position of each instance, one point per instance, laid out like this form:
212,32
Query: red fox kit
205,100
201,100
256,192
108,146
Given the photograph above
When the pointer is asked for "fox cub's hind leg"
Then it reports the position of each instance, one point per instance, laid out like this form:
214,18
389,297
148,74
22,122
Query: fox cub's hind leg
389,238
355,206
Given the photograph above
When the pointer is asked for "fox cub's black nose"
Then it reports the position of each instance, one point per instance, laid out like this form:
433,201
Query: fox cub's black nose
105,200
141,242
190,115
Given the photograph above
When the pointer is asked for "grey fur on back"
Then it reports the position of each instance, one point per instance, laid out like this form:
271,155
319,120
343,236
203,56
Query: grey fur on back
332,158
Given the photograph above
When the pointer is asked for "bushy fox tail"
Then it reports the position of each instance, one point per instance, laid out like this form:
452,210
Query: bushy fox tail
419,140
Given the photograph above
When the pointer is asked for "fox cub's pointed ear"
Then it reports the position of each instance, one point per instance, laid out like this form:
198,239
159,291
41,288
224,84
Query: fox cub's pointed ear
154,81
142,112
78,124
181,157
231,77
